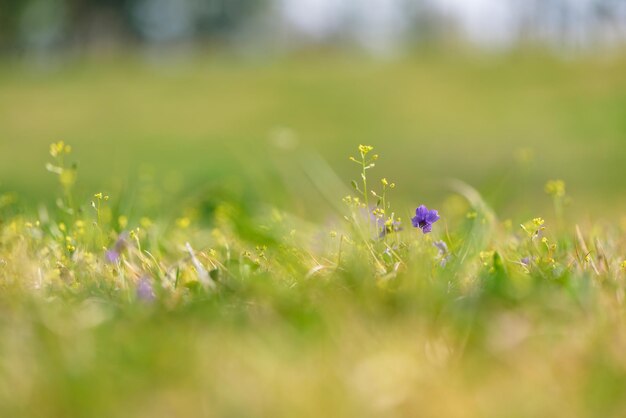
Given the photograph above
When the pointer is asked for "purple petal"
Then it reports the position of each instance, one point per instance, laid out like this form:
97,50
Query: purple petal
427,228
421,213
415,221
432,216
120,244
145,291
441,246
112,256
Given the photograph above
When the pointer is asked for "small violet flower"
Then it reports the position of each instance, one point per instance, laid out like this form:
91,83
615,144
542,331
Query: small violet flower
145,292
113,255
443,252
442,247
424,219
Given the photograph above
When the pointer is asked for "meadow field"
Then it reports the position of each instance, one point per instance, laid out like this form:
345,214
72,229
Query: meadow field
228,236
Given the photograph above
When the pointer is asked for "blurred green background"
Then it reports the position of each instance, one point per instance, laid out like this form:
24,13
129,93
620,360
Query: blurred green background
504,123
196,96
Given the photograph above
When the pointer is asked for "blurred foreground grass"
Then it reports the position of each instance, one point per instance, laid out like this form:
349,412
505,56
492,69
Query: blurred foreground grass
225,277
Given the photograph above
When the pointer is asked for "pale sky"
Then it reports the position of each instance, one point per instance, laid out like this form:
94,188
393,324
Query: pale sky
483,20
487,22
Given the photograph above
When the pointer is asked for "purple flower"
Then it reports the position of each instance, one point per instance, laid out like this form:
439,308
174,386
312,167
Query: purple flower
424,219
525,261
144,290
442,247
113,255
443,252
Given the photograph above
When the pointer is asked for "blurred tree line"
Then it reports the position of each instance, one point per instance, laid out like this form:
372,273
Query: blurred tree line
45,24
34,25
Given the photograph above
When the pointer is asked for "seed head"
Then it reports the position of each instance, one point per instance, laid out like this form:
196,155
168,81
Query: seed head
555,188
365,149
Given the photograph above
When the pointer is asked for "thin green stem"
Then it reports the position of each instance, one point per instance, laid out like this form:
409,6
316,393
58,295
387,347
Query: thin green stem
365,194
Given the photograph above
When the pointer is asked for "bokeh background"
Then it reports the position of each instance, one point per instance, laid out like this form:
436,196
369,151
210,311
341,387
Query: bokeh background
260,100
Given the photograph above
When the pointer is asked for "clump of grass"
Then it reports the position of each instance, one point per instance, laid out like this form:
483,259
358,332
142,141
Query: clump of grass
107,313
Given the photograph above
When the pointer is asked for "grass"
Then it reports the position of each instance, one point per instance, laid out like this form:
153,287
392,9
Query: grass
434,117
230,279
